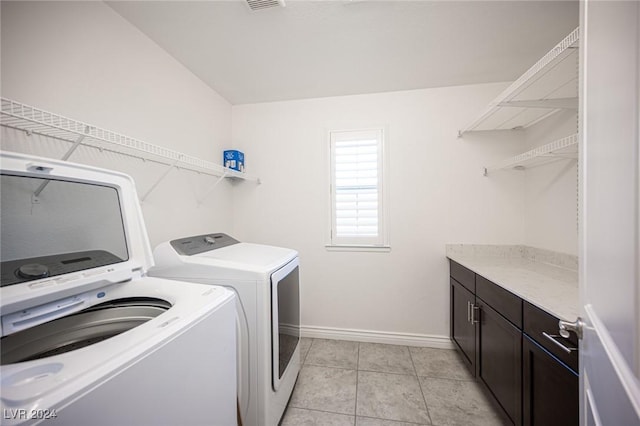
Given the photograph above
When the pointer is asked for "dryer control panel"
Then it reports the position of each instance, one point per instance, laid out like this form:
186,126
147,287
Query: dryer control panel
202,243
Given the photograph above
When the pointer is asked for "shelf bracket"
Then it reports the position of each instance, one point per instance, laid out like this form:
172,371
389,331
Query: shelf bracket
65,157
75,145
160,179
220,179
558,155
551,151
559,103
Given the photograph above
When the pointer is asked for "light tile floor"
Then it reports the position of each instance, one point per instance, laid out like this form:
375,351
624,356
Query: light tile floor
367,384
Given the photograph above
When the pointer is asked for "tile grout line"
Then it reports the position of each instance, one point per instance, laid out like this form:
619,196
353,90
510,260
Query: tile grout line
355,413
308,351
331,366
413,364
449,379
393,421
425,401
393,373
322,411
420,385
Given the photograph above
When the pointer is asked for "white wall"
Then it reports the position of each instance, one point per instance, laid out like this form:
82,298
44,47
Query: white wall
82,60
437,191
551,190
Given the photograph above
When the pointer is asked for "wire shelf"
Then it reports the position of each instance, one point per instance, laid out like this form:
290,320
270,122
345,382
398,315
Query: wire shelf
549,86
565,148
19,116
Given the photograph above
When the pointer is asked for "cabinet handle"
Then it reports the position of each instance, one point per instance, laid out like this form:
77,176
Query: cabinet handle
558,344
474,308
468,311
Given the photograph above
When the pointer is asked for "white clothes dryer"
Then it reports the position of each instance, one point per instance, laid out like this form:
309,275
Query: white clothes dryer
266,281
87,337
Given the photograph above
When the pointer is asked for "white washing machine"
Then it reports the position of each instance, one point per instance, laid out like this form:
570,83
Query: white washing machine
87,337
266,280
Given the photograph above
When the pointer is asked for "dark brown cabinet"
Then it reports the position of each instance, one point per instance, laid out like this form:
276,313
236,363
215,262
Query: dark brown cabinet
543,329
550,362
463,332
500,360
550,388
510,346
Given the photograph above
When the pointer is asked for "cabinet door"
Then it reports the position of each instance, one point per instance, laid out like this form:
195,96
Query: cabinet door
500,360
550,389
463,332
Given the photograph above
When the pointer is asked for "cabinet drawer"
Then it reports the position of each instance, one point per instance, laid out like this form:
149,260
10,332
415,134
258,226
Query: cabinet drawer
503,301
463,275
537,321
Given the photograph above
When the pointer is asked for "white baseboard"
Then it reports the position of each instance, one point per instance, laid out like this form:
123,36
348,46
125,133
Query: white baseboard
368,336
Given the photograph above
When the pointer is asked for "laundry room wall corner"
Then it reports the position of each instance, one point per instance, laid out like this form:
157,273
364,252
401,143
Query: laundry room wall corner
84,61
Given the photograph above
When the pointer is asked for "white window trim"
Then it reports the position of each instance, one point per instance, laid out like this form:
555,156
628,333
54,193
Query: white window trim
335,247
384,244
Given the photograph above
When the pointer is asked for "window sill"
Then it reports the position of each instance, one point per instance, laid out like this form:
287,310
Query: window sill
383,249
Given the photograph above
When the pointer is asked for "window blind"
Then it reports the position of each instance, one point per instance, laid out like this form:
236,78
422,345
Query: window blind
356,188
356,173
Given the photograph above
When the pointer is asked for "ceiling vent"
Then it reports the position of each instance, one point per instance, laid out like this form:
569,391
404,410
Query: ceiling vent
264,4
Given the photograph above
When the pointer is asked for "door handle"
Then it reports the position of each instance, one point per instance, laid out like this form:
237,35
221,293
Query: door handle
565,327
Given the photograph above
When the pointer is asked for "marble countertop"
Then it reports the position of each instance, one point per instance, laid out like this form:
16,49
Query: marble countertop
548,286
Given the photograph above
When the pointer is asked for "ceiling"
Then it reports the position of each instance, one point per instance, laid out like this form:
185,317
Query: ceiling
311,49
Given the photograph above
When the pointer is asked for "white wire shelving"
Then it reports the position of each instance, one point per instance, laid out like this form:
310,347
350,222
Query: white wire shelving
33,120
565,148
549,86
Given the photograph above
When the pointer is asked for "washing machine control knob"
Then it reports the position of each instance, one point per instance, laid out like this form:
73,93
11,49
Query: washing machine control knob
209,239
32,271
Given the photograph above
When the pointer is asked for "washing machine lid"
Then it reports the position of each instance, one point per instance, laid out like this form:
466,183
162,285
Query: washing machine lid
218,256
66,228
250,256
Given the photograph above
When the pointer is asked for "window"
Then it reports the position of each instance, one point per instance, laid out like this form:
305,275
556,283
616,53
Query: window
357,196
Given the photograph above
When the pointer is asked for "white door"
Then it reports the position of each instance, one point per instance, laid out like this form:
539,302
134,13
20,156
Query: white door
609,224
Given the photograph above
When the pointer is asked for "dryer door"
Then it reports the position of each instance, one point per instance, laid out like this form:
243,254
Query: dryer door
285,318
